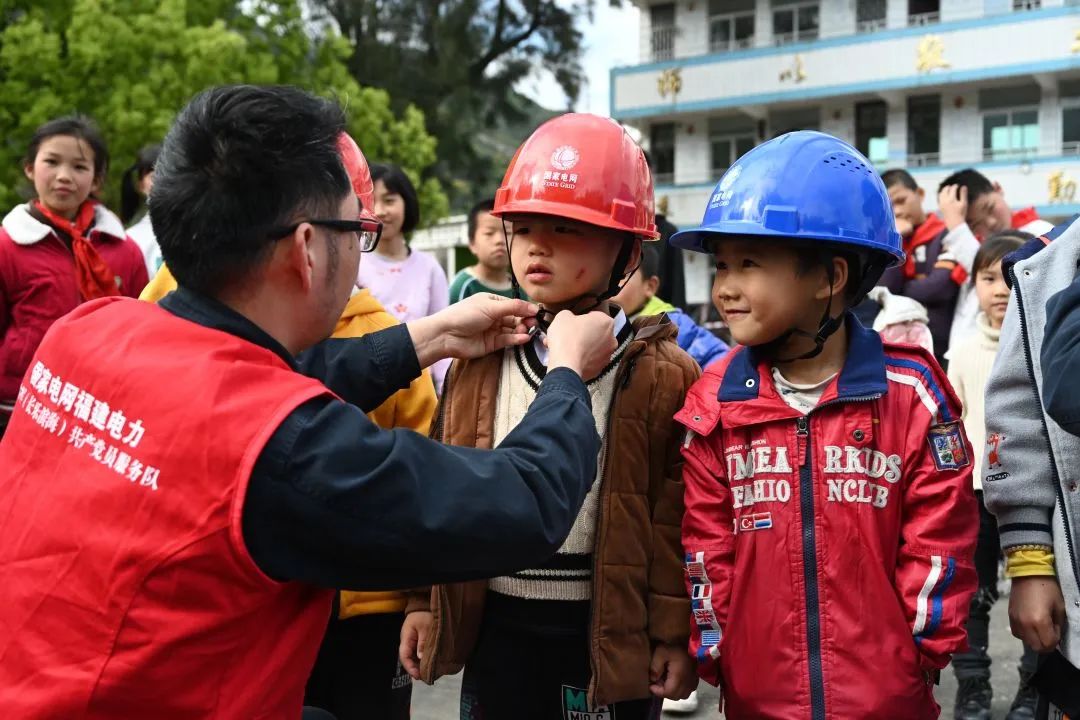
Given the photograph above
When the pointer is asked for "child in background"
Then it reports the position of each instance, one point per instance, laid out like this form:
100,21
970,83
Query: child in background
491,273
638,298
60,249
600,629
409,283
968,373
972,208
134,189
830,520
927,274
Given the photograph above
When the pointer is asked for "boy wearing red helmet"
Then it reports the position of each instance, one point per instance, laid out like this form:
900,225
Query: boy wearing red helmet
830,521
601,627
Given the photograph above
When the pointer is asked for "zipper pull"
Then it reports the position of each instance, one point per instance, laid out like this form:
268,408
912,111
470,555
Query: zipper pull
629,371
802,427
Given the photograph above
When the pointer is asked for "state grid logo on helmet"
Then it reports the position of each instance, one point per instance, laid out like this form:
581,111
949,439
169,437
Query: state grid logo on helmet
565,157
723,193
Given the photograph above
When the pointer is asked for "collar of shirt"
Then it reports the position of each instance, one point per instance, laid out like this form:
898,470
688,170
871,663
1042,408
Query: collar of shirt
208,312
541,349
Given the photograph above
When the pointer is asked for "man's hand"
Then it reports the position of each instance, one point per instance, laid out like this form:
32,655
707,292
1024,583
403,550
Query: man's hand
476,326
671,673
411,649
1037,611
953,204
904,227
583,343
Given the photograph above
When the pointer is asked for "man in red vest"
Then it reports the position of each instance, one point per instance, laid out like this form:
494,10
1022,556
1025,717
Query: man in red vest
179,495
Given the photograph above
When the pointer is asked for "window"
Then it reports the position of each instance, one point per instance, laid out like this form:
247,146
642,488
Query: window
785,121
871,138
662,150
924,130
1010,120
1010,133
1021,5
796,22
729,140
924,12
731,32
1070,130
663,31
869,16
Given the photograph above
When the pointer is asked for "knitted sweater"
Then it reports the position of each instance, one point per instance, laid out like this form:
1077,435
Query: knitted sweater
969,370
567,575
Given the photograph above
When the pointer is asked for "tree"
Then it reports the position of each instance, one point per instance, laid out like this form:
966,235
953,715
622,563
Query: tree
459,61
132,64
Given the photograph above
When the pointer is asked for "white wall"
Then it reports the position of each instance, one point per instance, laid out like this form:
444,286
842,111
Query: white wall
692,158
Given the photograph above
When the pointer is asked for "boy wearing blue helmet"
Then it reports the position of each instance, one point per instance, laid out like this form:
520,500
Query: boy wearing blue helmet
830,519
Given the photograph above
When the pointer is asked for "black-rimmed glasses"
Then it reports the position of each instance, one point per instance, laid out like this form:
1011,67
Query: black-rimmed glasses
367,232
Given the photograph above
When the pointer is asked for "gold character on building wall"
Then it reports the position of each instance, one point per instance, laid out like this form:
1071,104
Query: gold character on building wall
669,82
796,72
1061,187
1076,43
930,54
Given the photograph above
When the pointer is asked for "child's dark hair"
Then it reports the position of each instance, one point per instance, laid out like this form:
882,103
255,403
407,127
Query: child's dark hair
997,246
397,182
76,126
976,183
484,206
810,257
131,199
899,176
650,261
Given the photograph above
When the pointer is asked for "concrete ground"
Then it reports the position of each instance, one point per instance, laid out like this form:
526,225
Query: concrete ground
441,701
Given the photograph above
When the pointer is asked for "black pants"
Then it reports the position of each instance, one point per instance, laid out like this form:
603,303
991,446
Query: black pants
536,674
357,675
975,662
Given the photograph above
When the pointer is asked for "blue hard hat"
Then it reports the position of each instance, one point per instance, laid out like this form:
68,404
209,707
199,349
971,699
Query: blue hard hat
804,185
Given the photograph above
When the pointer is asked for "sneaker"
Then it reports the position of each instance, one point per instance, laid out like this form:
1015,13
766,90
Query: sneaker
688,705
1026,700
973,699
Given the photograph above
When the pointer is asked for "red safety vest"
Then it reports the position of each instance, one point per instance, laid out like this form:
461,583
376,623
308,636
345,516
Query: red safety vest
126,590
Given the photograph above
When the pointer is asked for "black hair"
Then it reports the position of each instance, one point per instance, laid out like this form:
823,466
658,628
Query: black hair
397,182
650,260
976,183
899,176
240,162
484,206
812,256
131,199
997,246
76,126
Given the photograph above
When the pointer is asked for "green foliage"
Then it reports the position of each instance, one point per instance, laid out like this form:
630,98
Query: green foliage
132,64
459,62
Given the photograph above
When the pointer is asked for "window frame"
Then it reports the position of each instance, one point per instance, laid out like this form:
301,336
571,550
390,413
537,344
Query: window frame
990,154
795,36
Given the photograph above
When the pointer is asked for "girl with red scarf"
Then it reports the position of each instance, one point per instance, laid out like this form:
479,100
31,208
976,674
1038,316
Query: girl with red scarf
60,249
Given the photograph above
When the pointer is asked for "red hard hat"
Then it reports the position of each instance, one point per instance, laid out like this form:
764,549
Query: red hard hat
583,167
356,165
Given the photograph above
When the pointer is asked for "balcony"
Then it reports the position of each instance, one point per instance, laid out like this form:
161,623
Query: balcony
663,43
923,160
1022,5
922,19
722,46
870,26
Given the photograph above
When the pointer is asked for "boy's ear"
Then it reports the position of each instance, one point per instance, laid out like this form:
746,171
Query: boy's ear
635,255
96,187
921,193
28,170
651,286
997,189
841,278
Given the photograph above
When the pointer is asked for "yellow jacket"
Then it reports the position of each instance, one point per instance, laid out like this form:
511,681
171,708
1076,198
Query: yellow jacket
412,408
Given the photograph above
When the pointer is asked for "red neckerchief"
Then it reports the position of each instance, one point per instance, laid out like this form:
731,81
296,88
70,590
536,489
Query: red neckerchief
93,276
930,228
1020,218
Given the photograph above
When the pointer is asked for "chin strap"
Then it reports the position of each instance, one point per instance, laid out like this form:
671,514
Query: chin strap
871,273
619,276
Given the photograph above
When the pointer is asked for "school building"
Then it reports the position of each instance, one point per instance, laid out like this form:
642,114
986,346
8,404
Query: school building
930,85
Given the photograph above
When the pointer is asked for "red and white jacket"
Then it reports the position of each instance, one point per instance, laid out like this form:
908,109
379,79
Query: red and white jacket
828,556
